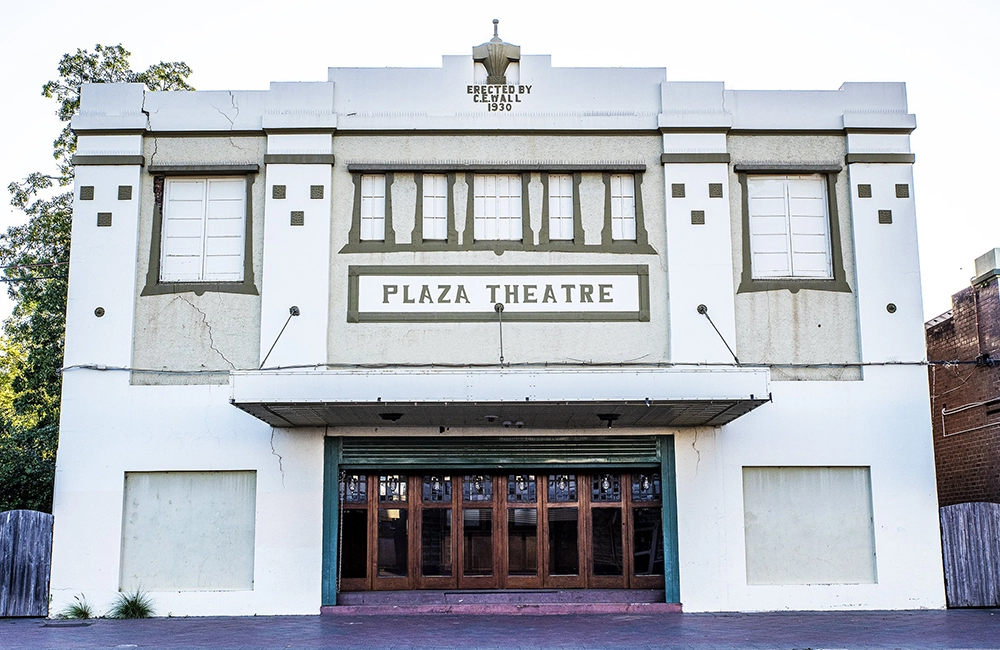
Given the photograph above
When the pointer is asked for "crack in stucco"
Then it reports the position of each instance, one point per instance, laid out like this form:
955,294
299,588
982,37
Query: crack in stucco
232,120
281,468
208,327
149,127
694,444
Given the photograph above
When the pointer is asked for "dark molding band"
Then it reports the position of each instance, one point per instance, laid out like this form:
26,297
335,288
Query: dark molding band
838,283
787,168
156,288
906,158
694,158
83,160
299,159
495,167
203,170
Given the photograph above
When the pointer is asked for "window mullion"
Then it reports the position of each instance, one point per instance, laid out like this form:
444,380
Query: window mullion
204,229
788,228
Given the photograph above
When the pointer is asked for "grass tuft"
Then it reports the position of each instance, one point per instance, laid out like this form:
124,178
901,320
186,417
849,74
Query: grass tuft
78,609
132,604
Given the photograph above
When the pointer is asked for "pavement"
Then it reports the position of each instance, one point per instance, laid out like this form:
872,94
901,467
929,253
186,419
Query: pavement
958,629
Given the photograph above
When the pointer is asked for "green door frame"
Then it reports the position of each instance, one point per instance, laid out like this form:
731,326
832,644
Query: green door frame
332,460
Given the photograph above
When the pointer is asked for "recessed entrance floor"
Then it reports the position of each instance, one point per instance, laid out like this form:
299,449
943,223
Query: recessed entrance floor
503,601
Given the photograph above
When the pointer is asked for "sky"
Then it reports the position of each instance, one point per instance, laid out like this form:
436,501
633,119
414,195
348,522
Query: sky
946,52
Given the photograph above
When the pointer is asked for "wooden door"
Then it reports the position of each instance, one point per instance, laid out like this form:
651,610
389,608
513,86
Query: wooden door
563,560
523,539
479,565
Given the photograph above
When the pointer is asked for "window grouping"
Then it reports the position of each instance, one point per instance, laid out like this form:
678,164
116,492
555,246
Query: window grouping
204,230
497,207
789,227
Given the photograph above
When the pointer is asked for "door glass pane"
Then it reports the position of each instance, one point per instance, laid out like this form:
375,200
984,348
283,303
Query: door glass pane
564,557
522,541
562,488
646,486
522,488
477,487
606,487
392,488
392,544
435,542
647,541
354,544
477,530
607,541
437,489
354,488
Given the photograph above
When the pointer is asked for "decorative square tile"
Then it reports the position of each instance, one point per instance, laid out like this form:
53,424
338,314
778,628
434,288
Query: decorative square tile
315,191
124,192
715,190
885,216
103,219
697,217
864,191
86,192
298,218
677,190
277,191
902,191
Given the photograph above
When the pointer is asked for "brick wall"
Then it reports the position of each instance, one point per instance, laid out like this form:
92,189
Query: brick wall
967,442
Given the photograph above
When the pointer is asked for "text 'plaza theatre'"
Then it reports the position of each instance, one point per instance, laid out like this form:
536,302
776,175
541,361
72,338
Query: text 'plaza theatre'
495,332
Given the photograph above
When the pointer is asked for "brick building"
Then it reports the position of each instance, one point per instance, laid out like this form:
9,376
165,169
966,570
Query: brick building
965,397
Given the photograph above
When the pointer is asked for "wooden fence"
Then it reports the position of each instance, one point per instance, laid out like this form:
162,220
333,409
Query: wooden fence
970,537
25,558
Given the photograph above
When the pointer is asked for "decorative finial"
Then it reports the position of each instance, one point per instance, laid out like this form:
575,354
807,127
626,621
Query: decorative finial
495,55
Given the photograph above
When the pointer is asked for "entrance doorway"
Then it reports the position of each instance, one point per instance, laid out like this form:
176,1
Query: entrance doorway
525,529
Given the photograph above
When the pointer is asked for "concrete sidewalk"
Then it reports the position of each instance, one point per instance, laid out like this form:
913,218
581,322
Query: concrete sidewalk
964,629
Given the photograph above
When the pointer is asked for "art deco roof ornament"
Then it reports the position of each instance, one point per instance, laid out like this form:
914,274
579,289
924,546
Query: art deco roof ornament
496,56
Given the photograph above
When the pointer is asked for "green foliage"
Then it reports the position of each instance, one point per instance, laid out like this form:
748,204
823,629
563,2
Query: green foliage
78,609
106,64
35,262
132,604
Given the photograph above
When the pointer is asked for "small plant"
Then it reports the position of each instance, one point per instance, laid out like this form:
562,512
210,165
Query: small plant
79,608
132,604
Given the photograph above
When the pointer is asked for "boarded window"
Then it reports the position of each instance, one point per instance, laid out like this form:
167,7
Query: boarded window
435,207
373,207
789,226
204,227
188,531
561,207
623,207
808,525
497,207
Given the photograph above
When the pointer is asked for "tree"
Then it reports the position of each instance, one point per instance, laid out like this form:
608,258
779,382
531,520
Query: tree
35,261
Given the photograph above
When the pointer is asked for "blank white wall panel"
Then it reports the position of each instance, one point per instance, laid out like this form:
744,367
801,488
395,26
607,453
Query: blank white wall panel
808,525
188,531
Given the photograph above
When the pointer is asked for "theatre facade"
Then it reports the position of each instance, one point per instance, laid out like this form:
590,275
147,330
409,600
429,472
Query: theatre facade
495,332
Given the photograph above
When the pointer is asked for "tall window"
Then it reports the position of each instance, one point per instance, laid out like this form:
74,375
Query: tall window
204,229
560,207
497,207
373,207
435,206
623,207
789,226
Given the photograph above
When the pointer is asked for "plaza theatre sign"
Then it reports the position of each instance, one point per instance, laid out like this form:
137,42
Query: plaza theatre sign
472,293
496,94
